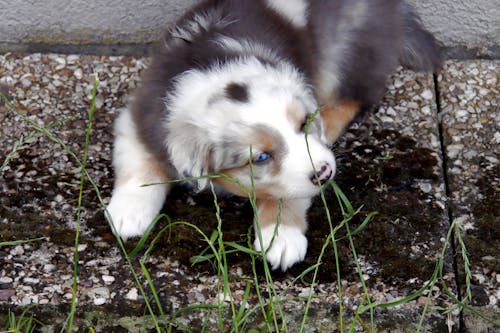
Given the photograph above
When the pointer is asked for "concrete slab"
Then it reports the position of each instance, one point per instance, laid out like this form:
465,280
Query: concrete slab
471,129
390,163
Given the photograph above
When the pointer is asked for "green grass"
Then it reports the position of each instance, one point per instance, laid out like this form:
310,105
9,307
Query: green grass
230,315
21,323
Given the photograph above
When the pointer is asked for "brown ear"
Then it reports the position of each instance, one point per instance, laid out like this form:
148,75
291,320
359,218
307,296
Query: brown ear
336,118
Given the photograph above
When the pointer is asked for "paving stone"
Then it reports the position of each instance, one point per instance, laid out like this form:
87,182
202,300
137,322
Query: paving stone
390,163
471,128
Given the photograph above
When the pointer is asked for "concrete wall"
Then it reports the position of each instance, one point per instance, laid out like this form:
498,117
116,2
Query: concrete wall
463,23
49,24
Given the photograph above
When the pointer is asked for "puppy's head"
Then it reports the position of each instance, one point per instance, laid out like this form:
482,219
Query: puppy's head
248,121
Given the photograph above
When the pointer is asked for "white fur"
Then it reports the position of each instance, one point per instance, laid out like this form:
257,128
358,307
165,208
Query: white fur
288,247
296,11
196,123
287,244
133,206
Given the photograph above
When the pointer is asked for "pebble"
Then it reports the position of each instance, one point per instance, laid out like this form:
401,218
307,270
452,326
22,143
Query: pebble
427,94
99,301
31,280
78,73
132,295
6,279
101,266
17,251
99,292
61,63
108,279
5,294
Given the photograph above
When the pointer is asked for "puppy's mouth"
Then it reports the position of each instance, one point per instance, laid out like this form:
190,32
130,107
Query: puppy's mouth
322,175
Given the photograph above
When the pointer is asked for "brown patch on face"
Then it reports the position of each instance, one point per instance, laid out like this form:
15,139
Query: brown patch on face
262,191
265,139
261,138
231,185
295,115
290,214
336,118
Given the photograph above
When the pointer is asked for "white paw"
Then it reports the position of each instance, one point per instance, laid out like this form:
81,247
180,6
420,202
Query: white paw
132,208
288,247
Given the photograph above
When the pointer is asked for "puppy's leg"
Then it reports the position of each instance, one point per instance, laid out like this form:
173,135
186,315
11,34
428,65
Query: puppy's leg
287,240
133,205
336,118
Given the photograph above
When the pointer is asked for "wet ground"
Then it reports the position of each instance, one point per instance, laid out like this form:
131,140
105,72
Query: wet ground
426,157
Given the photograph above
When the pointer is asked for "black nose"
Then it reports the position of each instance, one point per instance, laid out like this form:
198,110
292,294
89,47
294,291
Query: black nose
323,174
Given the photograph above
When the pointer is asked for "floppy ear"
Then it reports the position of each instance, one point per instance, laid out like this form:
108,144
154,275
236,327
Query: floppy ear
189,147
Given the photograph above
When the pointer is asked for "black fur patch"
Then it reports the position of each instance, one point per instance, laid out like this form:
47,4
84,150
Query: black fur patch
237,92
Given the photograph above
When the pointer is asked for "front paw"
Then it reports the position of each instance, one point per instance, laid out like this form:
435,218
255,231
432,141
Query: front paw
288,247
131,210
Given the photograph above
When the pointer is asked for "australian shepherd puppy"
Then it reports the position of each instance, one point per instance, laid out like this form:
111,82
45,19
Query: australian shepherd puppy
234,89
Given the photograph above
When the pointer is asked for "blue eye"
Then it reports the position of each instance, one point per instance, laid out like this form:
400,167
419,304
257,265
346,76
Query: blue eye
261,158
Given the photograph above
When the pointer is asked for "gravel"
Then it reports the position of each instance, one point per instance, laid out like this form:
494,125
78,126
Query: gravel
470,93
40,184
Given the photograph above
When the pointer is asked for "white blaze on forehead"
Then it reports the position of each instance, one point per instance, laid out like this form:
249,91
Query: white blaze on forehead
196,89
201,115
296,11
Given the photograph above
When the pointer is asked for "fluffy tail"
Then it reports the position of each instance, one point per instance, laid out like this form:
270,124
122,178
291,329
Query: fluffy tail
420,50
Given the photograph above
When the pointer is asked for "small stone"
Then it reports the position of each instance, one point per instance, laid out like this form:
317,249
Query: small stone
99,101
102,292
427,94
6,279
223,297
31,280
426,187
49,268
426,110
26,83
68,296
132,295
497,137
108,279
99,301
82,247
61,63
17,251
391,112
78,74
398,83
72,58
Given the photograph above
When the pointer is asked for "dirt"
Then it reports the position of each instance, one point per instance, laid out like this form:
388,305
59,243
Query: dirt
405,216
387,187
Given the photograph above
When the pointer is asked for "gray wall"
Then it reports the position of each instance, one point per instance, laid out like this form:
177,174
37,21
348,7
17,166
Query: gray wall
462,23
55,24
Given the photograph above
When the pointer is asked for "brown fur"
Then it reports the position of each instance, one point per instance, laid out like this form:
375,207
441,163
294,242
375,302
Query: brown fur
337,118
269,213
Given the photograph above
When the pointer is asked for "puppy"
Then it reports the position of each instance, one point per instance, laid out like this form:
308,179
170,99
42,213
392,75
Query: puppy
233,90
